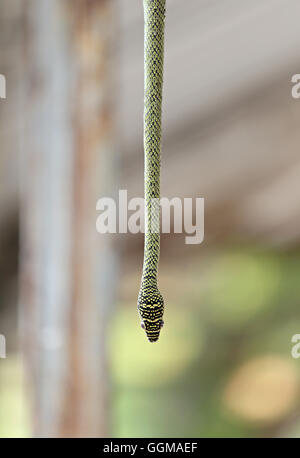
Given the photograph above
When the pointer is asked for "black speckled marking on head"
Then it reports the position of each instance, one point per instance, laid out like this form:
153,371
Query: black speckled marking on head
151,310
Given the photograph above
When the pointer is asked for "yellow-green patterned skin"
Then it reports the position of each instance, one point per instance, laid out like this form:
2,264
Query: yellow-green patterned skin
150,300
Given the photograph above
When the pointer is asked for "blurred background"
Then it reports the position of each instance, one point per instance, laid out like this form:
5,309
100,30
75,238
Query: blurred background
78,363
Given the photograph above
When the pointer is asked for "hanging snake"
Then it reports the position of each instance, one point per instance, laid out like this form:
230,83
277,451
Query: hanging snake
150,300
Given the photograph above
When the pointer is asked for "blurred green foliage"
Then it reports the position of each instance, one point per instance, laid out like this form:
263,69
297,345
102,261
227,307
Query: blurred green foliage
242,306
14,418
223,356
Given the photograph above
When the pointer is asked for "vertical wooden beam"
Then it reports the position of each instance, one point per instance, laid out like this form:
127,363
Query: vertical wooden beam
68,270
93,257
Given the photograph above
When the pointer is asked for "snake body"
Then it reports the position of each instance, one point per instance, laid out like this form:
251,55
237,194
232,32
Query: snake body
150,300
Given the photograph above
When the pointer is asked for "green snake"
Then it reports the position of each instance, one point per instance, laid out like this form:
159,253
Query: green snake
150,300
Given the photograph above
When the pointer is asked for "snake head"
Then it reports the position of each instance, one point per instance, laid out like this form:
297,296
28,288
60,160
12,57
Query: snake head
151,310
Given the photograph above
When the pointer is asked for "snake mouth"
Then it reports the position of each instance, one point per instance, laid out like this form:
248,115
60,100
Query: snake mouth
152,329
152,336
153,339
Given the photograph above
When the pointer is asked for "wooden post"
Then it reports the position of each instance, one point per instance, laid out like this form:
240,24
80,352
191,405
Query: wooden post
68,270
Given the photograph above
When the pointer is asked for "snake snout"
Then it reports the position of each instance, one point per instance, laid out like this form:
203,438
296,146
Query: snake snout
152,329
152,332
153,339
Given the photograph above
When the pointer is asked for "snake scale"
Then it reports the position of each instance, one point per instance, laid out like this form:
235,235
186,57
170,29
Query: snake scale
150,300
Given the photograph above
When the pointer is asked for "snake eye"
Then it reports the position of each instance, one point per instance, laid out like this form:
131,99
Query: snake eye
142,325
